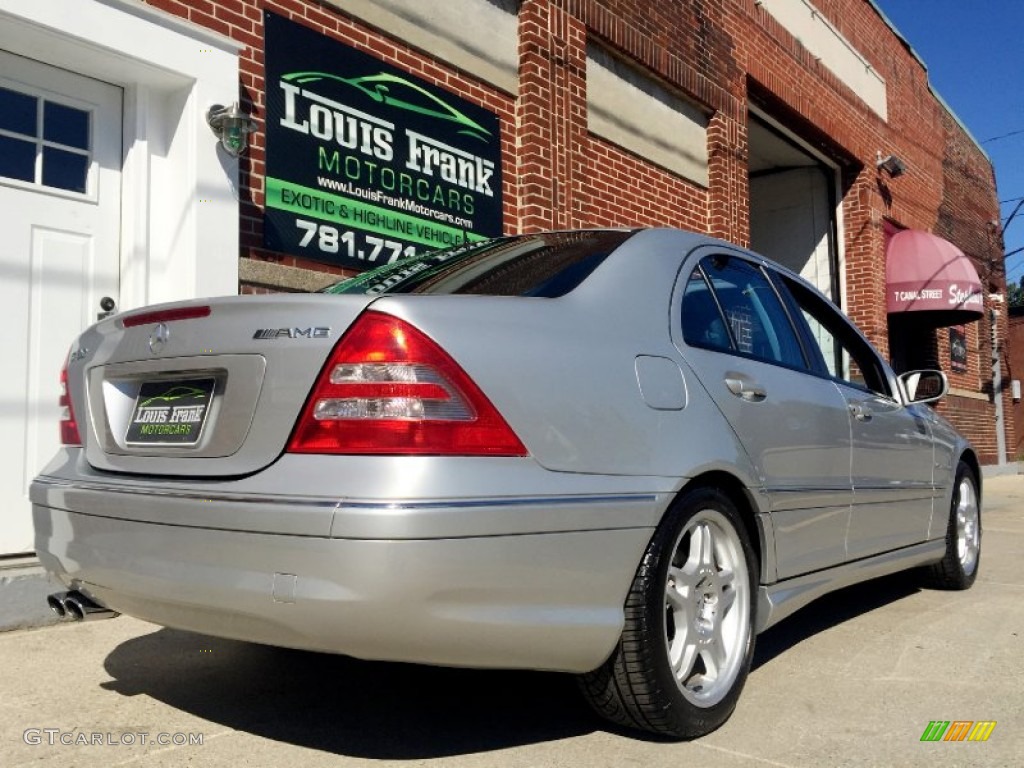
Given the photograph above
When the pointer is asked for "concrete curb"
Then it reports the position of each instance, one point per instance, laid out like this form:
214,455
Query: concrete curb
997,470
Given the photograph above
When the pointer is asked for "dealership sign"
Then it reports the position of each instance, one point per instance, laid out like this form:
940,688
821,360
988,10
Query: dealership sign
365,163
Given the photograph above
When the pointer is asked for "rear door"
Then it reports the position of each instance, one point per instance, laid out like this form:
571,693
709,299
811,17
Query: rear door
740,338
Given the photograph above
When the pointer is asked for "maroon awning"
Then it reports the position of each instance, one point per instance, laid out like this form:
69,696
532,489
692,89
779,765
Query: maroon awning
924,273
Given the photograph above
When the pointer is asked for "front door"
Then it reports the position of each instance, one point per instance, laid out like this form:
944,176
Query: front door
892,474
60,200
891,444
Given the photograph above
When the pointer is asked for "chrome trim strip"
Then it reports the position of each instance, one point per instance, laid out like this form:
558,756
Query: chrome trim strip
341,503
80,485
518,501
908,486
807,488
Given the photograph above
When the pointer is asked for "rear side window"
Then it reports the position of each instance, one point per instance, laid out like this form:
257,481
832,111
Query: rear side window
546,265
730,305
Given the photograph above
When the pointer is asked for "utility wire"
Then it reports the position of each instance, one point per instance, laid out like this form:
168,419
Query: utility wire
1003,136
1010,217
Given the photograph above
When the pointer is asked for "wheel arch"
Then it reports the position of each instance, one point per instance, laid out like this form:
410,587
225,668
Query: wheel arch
970,458
757,528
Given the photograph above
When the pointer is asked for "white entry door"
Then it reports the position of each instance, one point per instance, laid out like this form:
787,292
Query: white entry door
60,201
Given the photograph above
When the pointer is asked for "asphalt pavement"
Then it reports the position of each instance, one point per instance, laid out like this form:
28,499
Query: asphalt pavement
855,679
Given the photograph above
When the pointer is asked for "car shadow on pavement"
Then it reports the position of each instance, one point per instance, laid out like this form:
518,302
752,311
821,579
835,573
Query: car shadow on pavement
345,706
380,710
830,611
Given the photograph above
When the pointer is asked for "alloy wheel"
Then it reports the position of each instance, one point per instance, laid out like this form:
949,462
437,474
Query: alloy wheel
707,608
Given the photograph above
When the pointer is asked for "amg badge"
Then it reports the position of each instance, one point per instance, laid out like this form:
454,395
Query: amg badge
293,333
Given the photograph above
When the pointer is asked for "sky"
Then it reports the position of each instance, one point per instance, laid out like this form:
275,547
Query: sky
975,61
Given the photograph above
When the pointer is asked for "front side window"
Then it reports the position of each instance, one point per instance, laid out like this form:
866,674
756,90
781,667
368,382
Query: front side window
844,355
730,305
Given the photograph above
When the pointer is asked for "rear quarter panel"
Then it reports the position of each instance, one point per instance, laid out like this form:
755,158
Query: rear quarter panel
563,371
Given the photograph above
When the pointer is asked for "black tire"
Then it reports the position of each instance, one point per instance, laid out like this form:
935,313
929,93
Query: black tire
959,566
692,600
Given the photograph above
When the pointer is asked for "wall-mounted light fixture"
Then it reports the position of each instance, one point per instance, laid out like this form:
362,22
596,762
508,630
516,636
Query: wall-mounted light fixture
891,164
231,126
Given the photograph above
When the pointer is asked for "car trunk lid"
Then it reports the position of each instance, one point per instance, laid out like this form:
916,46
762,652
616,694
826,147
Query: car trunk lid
202,388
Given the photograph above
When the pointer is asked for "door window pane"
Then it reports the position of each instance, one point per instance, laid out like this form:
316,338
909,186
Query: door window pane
64,170
17,159
844,353
703,323
756,320
66,125
17,112
52,152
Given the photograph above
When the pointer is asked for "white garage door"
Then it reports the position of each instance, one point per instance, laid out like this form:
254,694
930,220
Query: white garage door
60,200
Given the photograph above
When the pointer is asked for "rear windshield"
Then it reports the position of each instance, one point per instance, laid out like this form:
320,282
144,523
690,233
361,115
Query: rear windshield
547,265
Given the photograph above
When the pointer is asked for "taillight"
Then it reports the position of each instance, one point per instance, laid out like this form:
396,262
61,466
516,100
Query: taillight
68,426
389,389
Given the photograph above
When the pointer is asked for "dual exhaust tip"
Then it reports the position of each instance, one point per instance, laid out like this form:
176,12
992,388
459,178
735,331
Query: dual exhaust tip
74,606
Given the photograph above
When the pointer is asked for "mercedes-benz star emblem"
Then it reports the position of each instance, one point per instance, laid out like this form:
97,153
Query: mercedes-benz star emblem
158,338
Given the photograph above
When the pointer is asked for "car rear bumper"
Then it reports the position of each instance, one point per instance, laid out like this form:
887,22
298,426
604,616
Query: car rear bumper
387,589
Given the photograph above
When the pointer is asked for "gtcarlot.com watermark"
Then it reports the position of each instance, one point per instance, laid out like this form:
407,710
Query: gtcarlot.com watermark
59,737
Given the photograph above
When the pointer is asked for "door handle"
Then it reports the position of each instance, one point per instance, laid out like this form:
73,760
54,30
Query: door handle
860,411
746,390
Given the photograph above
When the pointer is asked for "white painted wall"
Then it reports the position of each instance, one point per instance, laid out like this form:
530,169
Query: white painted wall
790,222
179,235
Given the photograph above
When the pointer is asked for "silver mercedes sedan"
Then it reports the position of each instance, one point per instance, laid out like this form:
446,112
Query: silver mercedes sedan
619,453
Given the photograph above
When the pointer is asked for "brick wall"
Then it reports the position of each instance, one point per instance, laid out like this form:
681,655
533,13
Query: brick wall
722,55
1015,363
551,118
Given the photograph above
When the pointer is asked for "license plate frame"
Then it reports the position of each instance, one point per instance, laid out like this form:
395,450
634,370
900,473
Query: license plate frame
171,412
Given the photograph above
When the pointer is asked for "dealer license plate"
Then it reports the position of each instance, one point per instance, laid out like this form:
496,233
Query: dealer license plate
170,412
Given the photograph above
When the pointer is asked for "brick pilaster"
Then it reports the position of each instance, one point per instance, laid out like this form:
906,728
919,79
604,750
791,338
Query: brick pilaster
729,211
551,116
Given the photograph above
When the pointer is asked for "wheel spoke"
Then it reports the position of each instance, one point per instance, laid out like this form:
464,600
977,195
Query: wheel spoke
679,594
966,497
706,544
712,667
684,579
726,600
675,601
716,654
682,665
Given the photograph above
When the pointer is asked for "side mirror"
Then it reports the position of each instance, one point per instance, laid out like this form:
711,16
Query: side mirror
923,386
